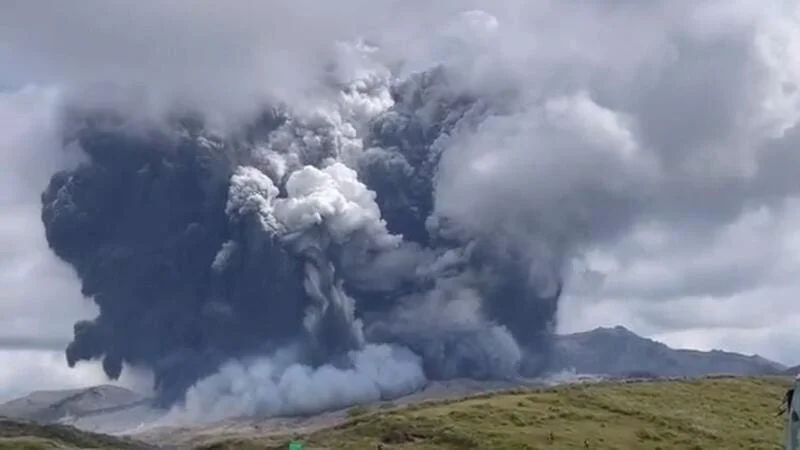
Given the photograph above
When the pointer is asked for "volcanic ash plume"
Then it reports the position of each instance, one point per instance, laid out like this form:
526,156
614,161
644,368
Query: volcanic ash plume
298,263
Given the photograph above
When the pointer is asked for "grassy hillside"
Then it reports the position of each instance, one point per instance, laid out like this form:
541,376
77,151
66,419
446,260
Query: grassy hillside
27,436
722,413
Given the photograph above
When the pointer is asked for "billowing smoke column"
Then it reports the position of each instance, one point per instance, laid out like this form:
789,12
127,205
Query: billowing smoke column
299,263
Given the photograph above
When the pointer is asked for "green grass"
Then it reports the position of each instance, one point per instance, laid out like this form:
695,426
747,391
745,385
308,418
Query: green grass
32,443
719,413
29,436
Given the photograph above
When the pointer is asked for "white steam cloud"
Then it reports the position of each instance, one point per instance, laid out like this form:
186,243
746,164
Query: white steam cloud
331,196
277,386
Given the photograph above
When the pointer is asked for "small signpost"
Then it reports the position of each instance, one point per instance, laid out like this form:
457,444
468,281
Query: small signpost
295,445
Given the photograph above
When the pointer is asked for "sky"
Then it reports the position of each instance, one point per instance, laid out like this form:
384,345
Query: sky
697,102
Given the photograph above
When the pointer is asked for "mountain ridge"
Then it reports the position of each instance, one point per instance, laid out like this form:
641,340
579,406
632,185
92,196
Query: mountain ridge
618,351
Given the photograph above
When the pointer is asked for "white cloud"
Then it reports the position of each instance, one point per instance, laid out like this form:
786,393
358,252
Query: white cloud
736,290
222,58
23,371
40,297
41,294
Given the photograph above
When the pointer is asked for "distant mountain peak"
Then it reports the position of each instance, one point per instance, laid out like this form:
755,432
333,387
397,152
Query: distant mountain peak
618,329
618,351
48,405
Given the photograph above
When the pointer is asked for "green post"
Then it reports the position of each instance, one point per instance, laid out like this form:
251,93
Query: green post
295,445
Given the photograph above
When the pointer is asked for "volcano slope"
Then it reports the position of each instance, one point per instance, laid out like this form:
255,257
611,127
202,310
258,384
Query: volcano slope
709,413
15,435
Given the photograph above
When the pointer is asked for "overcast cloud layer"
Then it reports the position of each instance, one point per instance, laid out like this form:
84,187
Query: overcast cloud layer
681,116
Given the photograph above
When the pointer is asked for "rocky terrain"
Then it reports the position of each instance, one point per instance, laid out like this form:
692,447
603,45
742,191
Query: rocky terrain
104,409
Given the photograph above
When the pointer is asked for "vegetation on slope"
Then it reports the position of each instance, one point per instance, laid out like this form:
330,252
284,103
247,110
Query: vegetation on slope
713,413
29,436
